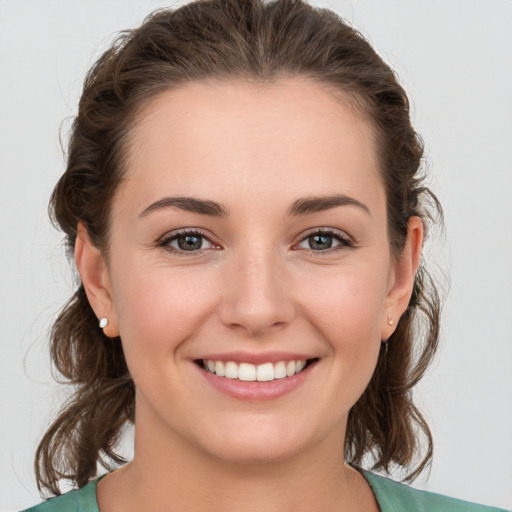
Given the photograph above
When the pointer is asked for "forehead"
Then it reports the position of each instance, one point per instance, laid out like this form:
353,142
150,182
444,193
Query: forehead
291,136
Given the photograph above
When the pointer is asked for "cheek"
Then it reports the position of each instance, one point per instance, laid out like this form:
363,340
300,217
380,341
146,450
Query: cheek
158,308
344,308
347,307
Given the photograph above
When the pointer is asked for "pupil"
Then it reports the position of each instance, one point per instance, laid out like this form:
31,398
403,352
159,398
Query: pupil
320,242
189,243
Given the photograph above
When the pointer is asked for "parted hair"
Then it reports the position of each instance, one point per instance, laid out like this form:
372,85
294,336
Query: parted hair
257,41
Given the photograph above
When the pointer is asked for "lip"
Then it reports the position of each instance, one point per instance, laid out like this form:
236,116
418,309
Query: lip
255,390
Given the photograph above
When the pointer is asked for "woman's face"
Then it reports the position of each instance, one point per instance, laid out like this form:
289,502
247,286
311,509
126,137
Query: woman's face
249,238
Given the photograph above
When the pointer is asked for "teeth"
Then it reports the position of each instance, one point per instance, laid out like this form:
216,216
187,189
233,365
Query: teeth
246,371
231,370
280,370
219,368
265,372
249,372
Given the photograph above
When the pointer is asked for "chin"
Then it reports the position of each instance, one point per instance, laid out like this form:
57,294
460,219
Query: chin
254,454
257,444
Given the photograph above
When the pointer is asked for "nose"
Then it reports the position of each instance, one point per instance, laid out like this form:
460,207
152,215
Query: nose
256,295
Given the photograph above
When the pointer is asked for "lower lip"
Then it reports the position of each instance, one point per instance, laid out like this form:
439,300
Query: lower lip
255,390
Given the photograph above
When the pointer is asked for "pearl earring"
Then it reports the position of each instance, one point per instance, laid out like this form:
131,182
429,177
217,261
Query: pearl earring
103,322
390,320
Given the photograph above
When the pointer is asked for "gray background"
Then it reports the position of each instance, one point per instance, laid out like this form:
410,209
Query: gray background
455,60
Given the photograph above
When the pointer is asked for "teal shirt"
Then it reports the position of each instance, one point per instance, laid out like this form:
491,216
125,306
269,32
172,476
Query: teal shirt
391,497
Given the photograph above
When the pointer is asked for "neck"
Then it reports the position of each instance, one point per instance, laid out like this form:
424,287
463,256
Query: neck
176,476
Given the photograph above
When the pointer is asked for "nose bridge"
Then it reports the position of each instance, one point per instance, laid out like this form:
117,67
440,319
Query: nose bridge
256,297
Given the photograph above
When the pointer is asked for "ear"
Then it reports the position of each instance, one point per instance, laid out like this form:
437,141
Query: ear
95,278
402,278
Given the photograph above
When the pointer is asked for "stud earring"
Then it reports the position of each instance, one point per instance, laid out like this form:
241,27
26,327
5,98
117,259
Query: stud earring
103,322
390,320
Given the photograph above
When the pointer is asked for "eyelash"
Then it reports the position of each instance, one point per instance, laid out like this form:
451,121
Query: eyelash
344,242
165,242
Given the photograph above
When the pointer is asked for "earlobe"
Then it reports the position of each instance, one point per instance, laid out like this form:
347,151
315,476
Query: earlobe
93,271
404,273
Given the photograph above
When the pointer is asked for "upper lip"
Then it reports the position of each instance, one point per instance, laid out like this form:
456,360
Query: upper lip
255,358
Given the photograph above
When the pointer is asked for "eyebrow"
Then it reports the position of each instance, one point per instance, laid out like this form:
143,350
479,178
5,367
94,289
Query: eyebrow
303,206
189,204
313,204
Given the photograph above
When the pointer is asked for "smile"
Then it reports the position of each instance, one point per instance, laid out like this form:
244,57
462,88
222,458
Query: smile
250,373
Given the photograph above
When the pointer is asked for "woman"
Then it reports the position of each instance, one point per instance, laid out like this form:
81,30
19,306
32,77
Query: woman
245,209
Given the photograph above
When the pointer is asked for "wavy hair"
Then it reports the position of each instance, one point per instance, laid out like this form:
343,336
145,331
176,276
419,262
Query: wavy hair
256,41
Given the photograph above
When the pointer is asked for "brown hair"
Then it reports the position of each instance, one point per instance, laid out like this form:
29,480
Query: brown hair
256,41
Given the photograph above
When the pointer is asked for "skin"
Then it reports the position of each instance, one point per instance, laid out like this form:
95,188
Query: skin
257,285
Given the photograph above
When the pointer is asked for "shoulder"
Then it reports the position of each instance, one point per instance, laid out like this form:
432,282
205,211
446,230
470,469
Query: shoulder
81,500
396,497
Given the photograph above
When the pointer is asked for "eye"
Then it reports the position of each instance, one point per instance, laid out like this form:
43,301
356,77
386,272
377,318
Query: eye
325,240
187,241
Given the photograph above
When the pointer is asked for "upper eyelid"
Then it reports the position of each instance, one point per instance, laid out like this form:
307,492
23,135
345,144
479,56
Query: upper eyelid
170,235
165,240
345,241
324,230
